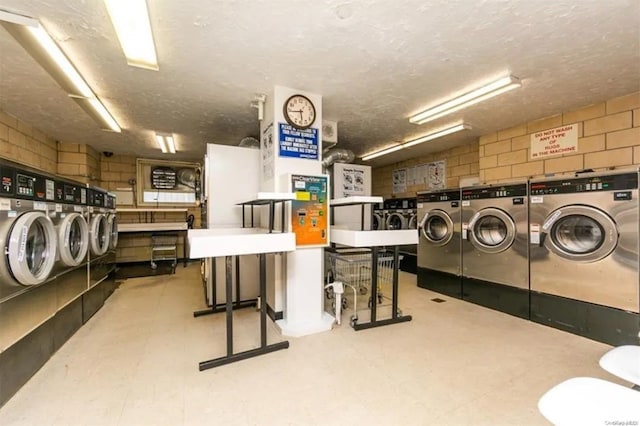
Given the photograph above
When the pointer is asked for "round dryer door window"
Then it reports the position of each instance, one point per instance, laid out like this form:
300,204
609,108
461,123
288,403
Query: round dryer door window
492,230
378,223
580,233
396,221
113,231
99,235
32,248
73,239
437,227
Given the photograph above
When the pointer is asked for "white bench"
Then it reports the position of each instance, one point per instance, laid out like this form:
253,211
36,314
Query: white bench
623,362
589,401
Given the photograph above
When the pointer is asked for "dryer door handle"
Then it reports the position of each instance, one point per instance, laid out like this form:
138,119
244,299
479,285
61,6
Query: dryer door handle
543,236
422,222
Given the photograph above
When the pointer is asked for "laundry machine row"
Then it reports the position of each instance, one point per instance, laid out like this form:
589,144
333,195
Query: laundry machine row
561,251
44,268
399,213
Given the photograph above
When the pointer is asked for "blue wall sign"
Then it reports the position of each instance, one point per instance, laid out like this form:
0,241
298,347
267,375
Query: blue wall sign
298,143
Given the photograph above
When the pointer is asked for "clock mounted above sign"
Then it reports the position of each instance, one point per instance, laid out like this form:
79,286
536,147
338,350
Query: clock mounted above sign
299,111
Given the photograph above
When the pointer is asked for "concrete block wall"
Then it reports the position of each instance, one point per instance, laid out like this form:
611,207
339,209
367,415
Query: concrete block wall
608,138
79,162
27,145
461,162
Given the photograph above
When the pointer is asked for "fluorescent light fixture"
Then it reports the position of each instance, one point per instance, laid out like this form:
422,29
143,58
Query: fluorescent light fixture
130,19
475,96
166,143
429,136
38,43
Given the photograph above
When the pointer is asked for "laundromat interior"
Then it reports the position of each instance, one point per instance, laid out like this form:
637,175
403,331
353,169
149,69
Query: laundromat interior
331,212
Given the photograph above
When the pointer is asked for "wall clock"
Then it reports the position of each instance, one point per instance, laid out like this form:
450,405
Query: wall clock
299,111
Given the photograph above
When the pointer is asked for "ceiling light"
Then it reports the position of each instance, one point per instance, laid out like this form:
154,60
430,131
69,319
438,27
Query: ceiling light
383,152
429,136
131,21
166,143
39,44
475,96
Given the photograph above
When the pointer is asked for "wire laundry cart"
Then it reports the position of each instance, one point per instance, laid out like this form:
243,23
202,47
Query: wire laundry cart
164,247
354,269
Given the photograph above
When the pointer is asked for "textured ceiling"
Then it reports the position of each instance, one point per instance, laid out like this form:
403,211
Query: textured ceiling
374,61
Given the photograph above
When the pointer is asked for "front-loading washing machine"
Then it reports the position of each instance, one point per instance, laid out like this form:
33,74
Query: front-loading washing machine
412,214
99,238
72,231
396,217
584,255
379,217
439,244
495,256
112,227
29,249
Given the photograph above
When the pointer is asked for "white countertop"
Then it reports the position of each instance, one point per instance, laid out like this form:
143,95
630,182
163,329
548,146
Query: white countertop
217,242
354,238
152,227
266,197
125,210
351,201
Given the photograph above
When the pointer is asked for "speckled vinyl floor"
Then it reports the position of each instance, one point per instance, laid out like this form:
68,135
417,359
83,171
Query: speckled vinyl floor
136,363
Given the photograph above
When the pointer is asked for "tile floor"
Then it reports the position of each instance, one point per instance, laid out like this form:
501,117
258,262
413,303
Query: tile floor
136,363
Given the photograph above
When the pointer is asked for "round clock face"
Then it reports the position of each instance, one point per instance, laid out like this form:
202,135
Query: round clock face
299,112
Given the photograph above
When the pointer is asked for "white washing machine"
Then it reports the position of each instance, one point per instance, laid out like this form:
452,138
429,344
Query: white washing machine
438,265
26,231
495,255
584,243
72,231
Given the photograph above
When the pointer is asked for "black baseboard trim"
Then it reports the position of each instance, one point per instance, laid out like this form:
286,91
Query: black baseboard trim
275,316
602,323
504,298
440,282
409,263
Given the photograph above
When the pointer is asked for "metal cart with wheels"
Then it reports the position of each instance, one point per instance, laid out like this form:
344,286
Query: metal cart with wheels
164,247
353,268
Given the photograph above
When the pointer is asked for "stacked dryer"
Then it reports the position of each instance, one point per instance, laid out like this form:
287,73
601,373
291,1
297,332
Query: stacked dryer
584,255
495,256
439,245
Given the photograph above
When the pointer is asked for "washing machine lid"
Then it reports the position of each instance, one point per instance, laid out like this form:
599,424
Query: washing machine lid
99,234
436,227
396,220
31,248
579,233
491,230
73,239
112,223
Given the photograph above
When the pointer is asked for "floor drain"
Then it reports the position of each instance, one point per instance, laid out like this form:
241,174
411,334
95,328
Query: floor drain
438,300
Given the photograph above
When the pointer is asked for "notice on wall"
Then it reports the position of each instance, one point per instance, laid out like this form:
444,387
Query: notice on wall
310,210
298,143
436,175
353,181
267,152
399,181
553,142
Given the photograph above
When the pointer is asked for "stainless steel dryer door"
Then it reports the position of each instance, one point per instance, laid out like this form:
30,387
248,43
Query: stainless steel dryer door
31,248
73,239
491,230
437,227
99,234
378,222
579,233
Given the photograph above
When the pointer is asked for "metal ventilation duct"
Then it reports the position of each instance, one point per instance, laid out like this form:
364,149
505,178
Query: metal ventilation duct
250,142
337,155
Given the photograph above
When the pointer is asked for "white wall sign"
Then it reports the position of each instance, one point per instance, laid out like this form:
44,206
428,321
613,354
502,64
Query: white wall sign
399,181
436,175
552,142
